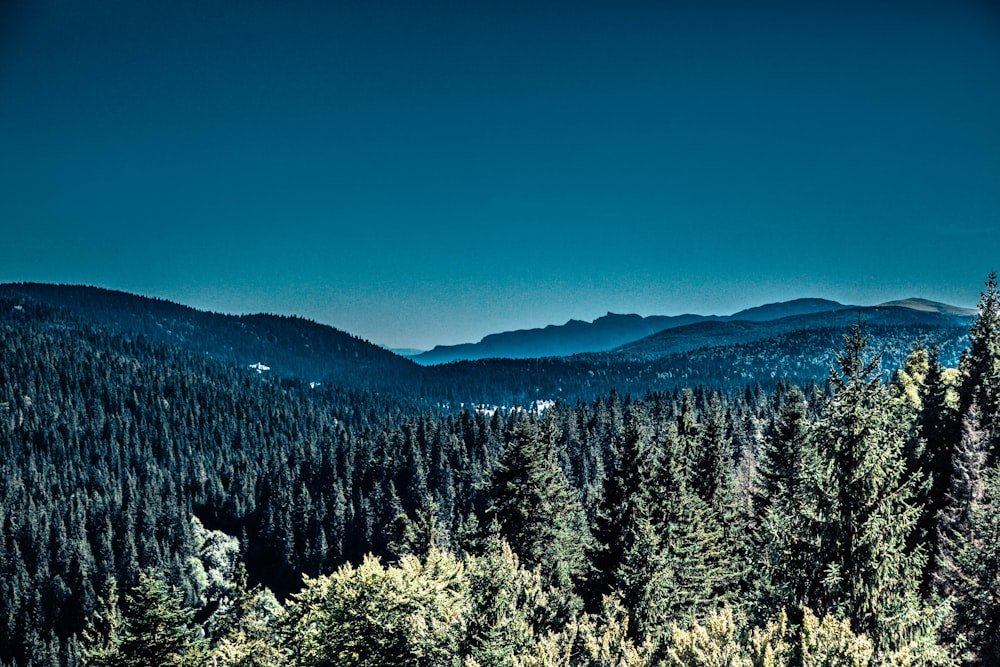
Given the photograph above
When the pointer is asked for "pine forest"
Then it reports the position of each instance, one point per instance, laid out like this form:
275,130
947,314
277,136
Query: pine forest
164,504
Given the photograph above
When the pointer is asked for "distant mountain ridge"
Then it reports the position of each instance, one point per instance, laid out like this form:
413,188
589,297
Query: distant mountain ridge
289,346
741,331
604,333
719,351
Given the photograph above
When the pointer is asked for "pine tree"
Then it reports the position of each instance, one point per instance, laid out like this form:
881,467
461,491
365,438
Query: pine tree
538,513
965,490
870,575
158,628
625,503
980,365
103,635
697,560
937,427
786,507
977,591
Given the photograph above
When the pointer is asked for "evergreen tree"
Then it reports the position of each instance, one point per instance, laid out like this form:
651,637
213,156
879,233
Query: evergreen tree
870,575
697,560
977,591
157,628
625,505
937,425
538,513
965,491
786,507
103,635
980,365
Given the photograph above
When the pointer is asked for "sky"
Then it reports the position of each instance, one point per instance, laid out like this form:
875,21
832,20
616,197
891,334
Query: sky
422,173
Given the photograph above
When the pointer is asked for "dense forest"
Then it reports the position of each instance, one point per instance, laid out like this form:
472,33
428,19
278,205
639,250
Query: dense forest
162,506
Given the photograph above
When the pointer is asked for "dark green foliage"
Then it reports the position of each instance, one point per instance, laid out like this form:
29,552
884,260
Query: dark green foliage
866,502
111,442
538,513
980,366
977,591
157,628
786,505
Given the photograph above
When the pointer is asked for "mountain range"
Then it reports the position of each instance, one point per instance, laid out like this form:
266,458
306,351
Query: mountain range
613,330
793,340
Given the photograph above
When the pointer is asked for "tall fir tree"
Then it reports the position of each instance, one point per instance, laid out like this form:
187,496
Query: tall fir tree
980,366
625,502
977,591
786,504
539,514
938,430
871,575
158,629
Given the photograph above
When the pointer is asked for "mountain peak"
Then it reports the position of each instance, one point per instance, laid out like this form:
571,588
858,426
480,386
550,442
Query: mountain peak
928,306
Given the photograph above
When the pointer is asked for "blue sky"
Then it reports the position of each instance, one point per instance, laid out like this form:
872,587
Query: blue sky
420,173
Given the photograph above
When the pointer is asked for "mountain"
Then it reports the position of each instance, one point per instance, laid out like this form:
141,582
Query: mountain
739,332
287,346
681,351
932,307
604,333
575,336
775,311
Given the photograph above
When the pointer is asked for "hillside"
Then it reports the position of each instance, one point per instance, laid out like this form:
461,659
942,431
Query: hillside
288,346
604,333
738,332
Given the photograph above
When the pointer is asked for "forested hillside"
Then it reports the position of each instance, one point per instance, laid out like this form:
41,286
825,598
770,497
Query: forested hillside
162,506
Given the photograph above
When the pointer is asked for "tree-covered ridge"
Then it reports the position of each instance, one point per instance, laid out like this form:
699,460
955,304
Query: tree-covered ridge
850,524
724,355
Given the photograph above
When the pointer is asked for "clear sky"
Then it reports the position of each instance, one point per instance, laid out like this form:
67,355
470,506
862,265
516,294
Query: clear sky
419,172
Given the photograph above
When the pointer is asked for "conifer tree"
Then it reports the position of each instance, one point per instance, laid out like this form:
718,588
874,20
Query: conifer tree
980,365
625,504
965,490
103,635
977,591
937,427
538,513
158,627
697,560
786,506
870,575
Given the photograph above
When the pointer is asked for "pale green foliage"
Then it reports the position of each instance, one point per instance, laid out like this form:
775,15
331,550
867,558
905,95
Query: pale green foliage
215,565
554,649
772,646
826,642
252,638
158,629
102,636
413,614
830,642
508,605
714,643
605,641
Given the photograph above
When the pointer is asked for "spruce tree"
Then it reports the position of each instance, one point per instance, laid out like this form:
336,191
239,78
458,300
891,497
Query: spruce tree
697,560
539,514
980,365
977,591
870,574
103,635
938,430
158,628
625,502
786,507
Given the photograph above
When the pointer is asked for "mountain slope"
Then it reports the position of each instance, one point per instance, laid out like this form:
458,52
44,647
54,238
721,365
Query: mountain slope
289,346
932,307
575,336
604,333
739,332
